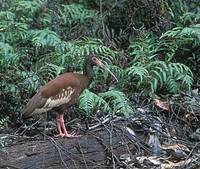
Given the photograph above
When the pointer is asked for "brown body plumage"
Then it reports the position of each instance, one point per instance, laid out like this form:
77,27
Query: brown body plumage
61,93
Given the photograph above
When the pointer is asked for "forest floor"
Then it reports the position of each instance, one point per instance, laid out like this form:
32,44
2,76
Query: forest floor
161,134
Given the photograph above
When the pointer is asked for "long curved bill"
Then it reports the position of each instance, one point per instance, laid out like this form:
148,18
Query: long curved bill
103,66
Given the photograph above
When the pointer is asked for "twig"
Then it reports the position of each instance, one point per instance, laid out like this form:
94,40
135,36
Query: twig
8,166
191,152
59,151
28,127
80,149
100,123
111,146
78,157
113,156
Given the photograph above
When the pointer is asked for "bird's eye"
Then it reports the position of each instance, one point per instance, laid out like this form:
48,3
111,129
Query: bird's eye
94,59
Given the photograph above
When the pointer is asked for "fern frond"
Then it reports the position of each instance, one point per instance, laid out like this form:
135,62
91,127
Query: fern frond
29,80
7,16
95,46
49,71
172,85
76,13
7,55
118,101
190,17
74,53
27,7
137,70
89,102
44,37
187,80
112,101
13,31
184,34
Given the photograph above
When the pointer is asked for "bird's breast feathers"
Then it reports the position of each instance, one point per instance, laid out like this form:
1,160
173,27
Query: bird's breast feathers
63,97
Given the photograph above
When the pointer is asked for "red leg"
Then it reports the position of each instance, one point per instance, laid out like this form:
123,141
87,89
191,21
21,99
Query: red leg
61,134
61,127
62,123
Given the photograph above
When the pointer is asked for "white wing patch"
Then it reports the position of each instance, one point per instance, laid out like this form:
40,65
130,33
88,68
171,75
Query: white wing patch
63,97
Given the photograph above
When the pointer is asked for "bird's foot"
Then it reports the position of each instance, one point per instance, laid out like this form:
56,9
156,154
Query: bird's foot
66,135
60,135
71,135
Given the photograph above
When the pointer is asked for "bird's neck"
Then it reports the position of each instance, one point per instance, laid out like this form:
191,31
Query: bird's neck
88,71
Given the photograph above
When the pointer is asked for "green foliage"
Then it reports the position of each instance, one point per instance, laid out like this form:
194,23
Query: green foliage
44,38
118,101
112,101
3,122
7,55
89,102
190,18
153,73
74,53
147,44
11,30
74,13
184,35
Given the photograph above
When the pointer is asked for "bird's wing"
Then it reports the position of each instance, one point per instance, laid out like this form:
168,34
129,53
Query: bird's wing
40,104
36,102
62,97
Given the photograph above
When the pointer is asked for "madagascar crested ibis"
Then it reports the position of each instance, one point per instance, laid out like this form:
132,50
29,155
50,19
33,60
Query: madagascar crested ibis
61,93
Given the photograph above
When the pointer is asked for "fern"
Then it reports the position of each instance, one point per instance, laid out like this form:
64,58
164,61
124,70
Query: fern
27,7
44,38
184,35
49,71
95,46
112,101
7,55
75,13
29,80
137,70
90,101
118,101
144,47
13,31
3,122
7,16
74,53
190,17
118,72
149,70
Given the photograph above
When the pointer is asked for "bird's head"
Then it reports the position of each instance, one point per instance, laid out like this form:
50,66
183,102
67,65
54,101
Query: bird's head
96,61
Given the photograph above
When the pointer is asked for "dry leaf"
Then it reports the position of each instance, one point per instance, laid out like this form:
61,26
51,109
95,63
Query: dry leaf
162,104
172,165
176,151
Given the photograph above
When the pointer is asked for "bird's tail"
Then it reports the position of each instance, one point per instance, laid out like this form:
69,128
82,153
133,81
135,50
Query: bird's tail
28,109
37,101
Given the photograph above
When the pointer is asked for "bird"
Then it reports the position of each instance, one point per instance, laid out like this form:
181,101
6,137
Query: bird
62,92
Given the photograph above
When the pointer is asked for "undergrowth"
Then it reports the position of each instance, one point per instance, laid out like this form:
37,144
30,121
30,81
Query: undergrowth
42,39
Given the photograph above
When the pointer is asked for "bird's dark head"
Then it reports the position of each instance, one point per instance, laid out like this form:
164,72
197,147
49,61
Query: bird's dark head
94,60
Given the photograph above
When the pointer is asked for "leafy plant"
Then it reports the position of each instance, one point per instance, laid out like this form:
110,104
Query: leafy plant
142,42
184,35
150,71
73,13
112,101
118,101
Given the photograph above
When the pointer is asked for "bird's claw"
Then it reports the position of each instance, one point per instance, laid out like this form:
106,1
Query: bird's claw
62,135
71,135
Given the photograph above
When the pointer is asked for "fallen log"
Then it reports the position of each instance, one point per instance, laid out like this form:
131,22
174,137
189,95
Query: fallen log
137,142
99,149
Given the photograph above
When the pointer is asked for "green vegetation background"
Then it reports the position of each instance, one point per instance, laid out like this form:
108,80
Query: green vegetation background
151,45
